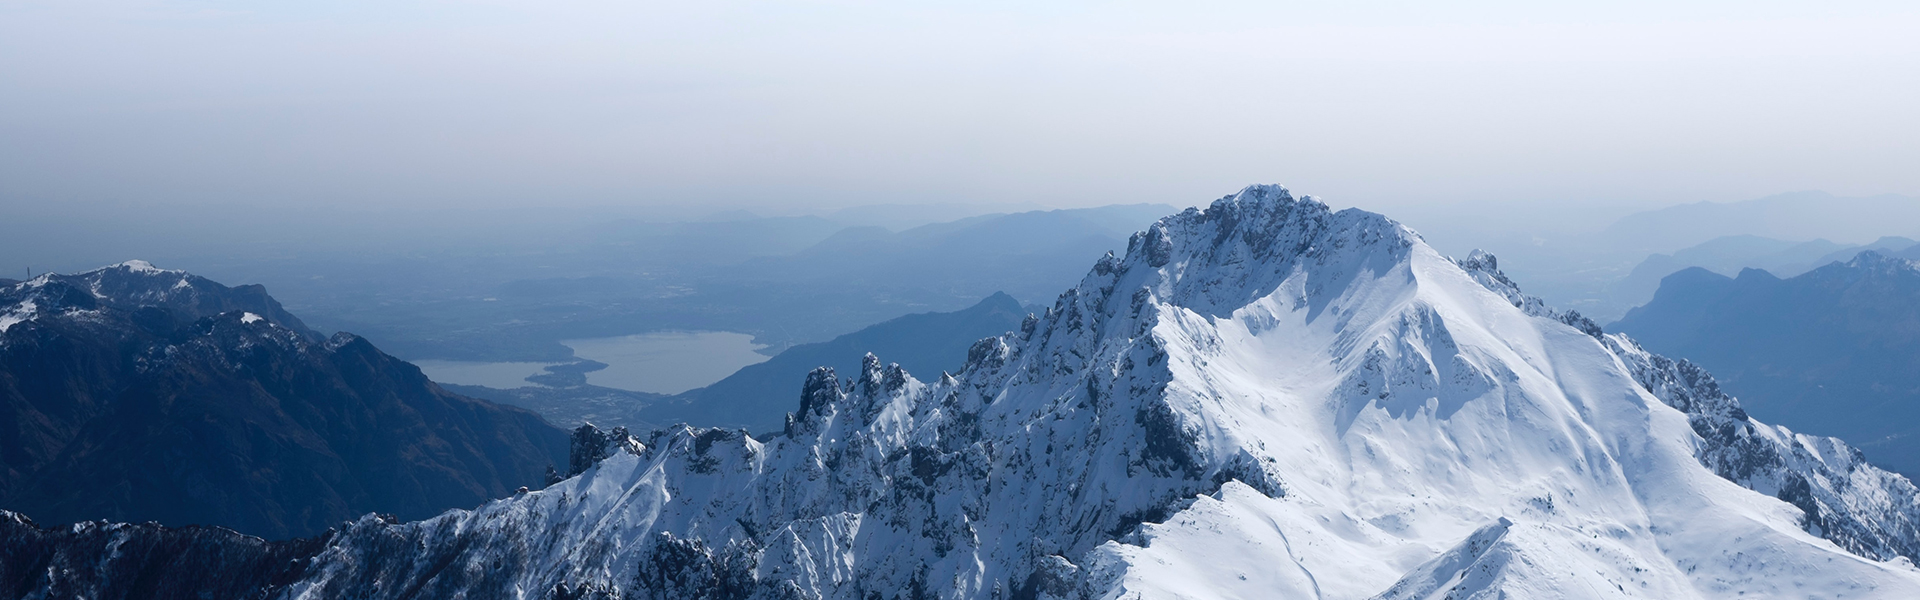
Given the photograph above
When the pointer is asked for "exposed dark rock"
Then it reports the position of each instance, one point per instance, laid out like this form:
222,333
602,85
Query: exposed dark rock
590,445
102,561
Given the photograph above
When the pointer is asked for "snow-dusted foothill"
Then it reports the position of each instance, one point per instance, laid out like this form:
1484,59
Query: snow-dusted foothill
131,286
1262,399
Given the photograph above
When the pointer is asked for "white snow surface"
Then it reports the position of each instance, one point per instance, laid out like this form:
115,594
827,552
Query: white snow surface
16,314
1265,399
141,266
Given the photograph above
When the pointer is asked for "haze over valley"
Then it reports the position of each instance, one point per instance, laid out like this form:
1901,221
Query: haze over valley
590,300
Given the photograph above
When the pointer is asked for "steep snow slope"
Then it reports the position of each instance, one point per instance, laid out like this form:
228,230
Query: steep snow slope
1865,509
1264,399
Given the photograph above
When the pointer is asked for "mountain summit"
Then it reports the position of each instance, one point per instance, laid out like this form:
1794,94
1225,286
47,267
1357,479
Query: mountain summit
1265,398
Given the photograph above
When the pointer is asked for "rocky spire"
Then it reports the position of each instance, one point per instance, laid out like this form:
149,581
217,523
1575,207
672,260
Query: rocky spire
591,445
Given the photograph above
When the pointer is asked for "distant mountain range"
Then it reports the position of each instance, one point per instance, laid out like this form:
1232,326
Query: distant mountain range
1594,271
1028,255
1797,215
786,280
1833,351
1732,254
133,393
757,396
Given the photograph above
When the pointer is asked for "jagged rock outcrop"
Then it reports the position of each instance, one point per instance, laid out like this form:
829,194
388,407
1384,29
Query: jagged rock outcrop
590,446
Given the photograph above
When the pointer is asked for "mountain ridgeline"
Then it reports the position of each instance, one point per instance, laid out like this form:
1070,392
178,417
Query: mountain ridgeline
1265,398
1732,254
784,280
138,394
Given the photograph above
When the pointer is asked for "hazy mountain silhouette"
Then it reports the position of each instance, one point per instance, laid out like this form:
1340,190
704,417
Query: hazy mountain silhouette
785,280
1797,215
1028,255
1727,255
1894,246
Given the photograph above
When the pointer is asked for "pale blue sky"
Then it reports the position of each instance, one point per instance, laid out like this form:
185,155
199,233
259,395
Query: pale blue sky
821,104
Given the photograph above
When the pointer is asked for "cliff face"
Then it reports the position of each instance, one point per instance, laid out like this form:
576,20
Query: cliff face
136,394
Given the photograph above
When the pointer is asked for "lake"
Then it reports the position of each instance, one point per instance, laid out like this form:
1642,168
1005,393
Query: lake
662,362
505,375
667,362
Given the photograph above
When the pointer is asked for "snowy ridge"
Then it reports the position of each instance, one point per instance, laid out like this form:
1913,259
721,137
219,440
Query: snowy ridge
141,266
1872,259
1862,508
1262,399
130,286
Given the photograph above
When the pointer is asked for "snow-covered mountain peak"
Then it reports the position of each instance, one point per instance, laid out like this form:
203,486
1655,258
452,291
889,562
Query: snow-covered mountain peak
1345,372
1338,369
1241,246
1874,260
